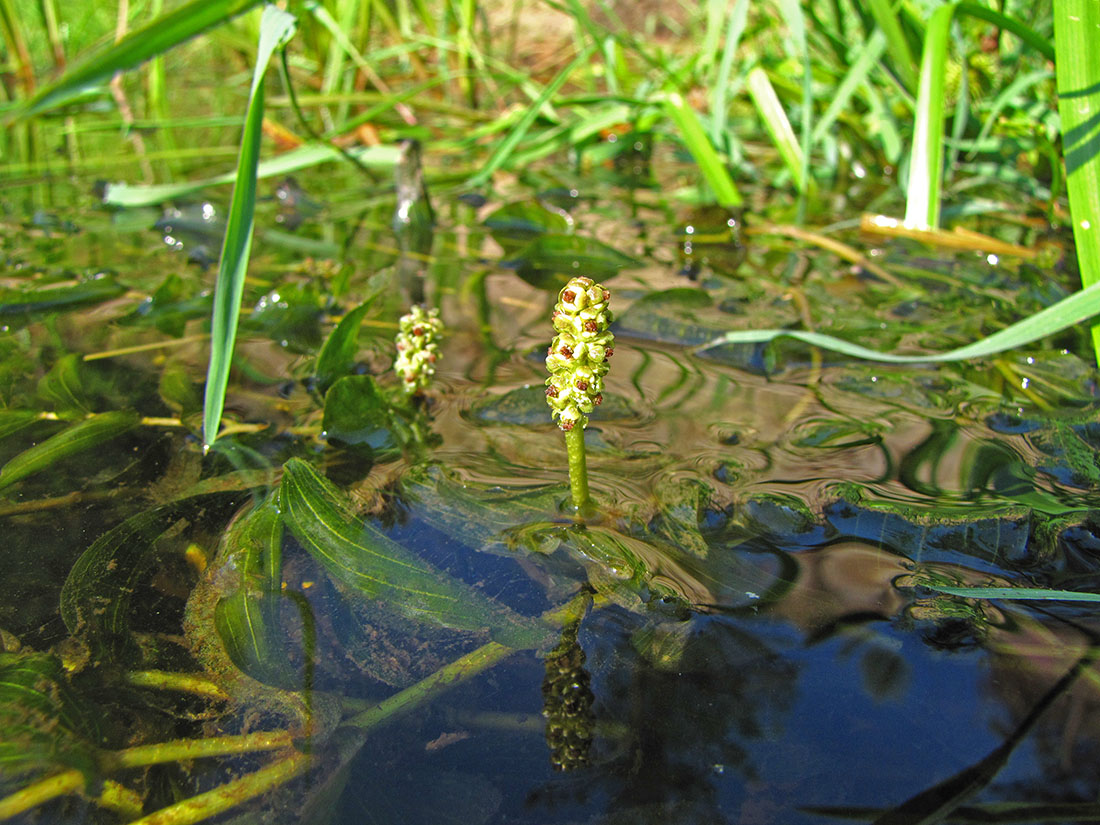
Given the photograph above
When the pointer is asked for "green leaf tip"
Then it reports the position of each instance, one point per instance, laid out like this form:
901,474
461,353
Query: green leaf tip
577,358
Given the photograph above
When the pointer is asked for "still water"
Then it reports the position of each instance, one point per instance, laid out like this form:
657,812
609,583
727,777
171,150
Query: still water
751,636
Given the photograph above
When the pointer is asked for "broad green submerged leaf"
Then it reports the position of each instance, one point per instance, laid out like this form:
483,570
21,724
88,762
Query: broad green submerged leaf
365,559
75,439
551,258
42,722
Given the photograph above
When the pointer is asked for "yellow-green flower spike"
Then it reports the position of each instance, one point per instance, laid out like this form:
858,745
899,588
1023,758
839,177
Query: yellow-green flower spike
577,359
417,348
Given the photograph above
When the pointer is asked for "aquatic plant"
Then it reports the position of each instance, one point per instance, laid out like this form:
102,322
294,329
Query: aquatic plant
417,345
577,361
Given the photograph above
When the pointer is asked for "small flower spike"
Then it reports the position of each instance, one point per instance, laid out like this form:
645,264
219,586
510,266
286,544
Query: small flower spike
417,348
577,359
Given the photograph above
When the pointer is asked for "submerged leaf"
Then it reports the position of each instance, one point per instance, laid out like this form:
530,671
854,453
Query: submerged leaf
42,723
15,302
357,413
63,386
363,558
251,619
516,224
553,258
77,438
12,421
96,596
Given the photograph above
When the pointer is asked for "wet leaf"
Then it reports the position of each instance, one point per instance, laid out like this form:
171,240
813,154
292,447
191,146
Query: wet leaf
63,386
171,306
77,438
479,514
291,316
42,723
553,258
12,421
674,316
337,356
96,596
363,558
17,302
251,619
179,392
358,413
516,224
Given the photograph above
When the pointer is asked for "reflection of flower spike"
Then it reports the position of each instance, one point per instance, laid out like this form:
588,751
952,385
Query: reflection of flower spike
417,348
577,359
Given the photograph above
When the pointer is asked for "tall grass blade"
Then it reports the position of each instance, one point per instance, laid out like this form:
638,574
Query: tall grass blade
16,42
1076,39
310,154
1009,24
721,89
691,132
276,28
507,146
1066,313
904,64
922,197
157,37
775,121
865,60
796,25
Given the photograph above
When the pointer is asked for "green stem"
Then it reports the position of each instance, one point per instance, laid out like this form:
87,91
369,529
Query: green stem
578,469
176,750
428,688
42,791
183,682
227,796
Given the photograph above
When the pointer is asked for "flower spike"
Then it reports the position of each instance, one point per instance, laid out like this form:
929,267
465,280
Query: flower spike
417,348
577,358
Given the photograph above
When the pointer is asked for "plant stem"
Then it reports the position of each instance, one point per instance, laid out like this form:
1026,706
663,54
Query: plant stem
179,749
428,688
184,682
33,795
578,469
229,795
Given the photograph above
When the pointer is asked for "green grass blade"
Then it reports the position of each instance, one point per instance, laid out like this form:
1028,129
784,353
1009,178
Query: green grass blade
1076,35
775,121
507,146
904,63
922,197
697,142
865,60
1066,313
155,38
1011,24
723,86
277,26
310,154
1016,593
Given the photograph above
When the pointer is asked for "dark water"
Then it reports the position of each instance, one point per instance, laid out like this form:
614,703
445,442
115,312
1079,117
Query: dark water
760,649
